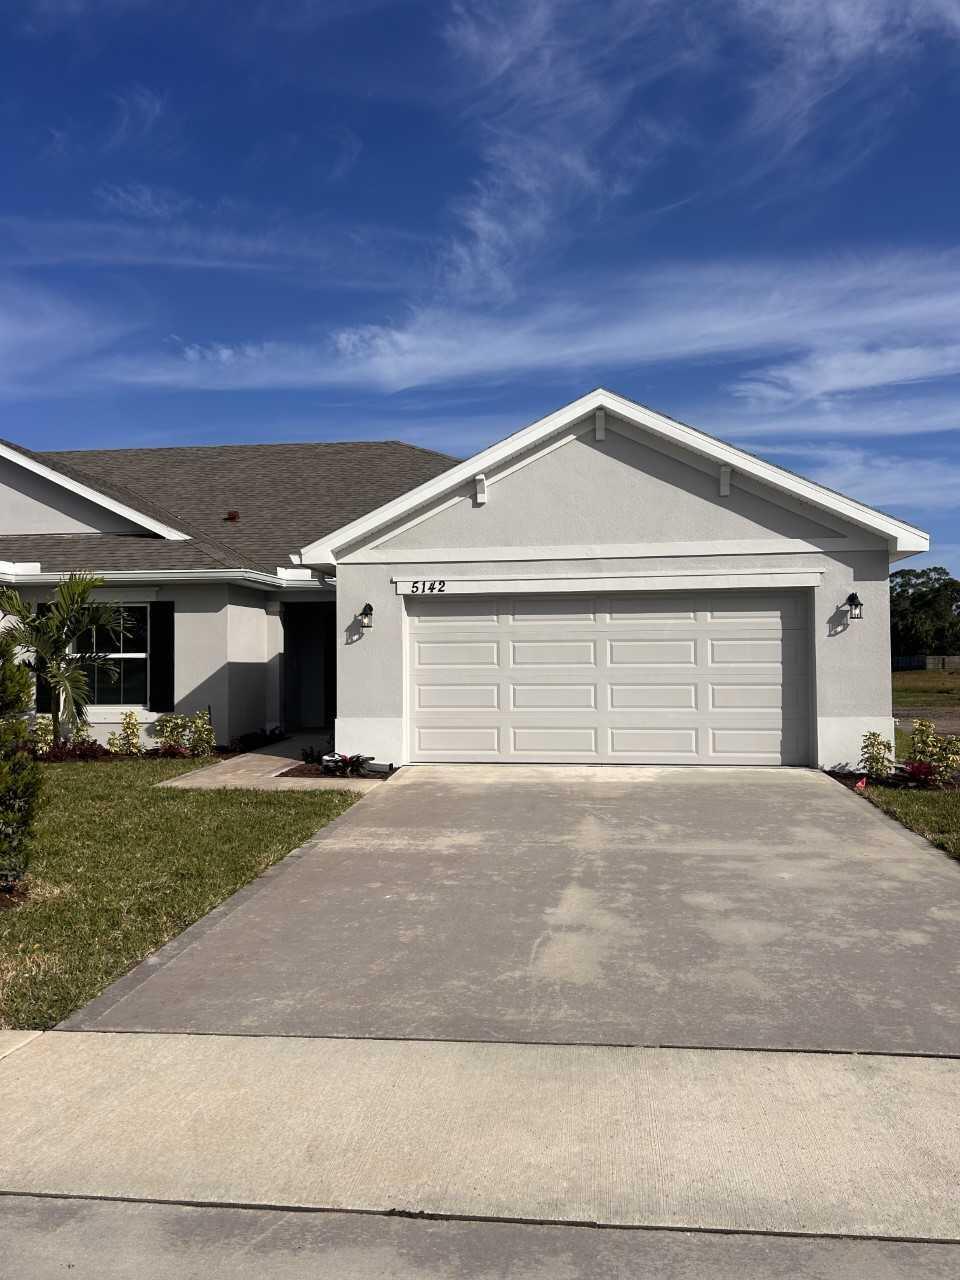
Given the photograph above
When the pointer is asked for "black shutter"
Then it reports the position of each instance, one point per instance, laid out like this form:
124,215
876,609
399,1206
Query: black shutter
42,697
161,655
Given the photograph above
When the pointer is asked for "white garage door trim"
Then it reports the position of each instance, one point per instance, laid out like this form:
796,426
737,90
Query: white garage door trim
696,677
677,580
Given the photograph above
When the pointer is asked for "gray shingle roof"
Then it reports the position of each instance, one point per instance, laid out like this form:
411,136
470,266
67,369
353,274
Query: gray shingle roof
287,495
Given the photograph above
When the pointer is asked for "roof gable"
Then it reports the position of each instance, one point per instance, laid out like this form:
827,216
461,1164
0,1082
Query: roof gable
125,505
611,492
822,505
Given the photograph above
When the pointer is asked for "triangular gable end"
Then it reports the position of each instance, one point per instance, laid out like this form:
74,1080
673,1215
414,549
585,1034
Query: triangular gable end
808,510
31,464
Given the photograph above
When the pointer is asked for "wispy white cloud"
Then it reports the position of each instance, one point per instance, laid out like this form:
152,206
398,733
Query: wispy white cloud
547,89
724,313
38,17
878,477
828,373
348,150
810,52
41,333
765,428
358,257
141,200
138,111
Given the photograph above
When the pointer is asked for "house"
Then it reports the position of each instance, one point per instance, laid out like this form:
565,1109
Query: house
607,585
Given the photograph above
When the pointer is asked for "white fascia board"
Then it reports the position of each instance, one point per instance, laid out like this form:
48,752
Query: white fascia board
92,495
901,536
34,576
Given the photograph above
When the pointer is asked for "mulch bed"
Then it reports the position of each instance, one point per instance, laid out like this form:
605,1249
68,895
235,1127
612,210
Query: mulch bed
317,771
894,783
14,895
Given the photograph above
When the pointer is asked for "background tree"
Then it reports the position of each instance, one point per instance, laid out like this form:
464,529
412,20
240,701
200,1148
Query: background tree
20,776
924,611
47,634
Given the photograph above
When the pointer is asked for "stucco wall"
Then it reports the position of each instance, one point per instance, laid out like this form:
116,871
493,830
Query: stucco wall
851,662
31,504
616,491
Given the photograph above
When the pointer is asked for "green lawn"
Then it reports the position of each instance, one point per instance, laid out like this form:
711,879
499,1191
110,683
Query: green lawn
926,688
121,867
934,814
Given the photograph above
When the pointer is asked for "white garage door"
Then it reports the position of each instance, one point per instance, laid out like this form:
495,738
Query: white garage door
675,678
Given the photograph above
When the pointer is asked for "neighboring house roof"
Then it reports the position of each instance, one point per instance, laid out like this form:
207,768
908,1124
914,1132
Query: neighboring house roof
285,494
903,538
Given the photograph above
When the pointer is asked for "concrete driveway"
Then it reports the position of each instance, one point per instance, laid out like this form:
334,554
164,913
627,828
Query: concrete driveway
742,908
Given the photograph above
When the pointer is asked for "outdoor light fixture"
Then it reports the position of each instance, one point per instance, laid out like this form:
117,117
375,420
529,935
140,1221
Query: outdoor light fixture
366,616
854,604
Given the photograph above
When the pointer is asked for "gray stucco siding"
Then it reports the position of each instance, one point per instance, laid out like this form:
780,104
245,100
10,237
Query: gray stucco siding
616,491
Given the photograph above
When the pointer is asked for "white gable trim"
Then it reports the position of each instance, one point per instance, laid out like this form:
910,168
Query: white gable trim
903,538
91,495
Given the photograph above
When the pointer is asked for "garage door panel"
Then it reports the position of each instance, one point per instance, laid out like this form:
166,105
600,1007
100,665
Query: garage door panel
654,609
626,696
467,611
439,653
735,697
709,678
555,653
458,697
452,740
553,609
559,696
744,742
652,653
745,653
547,740
645,741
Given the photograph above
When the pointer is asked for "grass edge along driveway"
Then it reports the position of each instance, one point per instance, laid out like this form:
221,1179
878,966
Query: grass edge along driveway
121,867
935,815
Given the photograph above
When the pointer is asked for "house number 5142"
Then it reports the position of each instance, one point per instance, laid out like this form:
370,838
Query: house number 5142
422,587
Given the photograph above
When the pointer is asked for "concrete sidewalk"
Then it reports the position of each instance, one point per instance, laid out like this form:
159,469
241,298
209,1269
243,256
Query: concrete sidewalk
820,1144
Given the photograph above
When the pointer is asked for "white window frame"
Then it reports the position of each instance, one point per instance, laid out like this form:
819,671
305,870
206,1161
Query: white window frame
102,708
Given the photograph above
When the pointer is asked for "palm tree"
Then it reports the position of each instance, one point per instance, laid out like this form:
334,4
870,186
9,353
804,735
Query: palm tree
47,635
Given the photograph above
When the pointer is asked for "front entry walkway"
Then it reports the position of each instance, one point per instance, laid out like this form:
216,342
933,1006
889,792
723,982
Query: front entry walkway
262,770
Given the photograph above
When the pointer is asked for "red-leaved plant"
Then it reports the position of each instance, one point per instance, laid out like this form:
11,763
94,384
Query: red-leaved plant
921,771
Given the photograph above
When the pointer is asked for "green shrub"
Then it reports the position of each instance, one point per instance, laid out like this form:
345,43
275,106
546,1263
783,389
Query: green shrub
940,754
20,776
126,741
186,735
876,755
203,740
41,735
172,733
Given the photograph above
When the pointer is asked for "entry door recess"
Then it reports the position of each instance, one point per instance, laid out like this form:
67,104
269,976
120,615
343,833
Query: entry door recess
673,678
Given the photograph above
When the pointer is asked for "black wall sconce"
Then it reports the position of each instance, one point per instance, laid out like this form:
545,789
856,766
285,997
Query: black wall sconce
854,604
366,616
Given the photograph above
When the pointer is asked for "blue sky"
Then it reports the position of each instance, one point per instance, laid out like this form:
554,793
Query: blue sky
341,219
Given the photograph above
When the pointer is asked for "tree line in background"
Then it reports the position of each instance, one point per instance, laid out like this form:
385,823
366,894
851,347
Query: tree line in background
924,612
